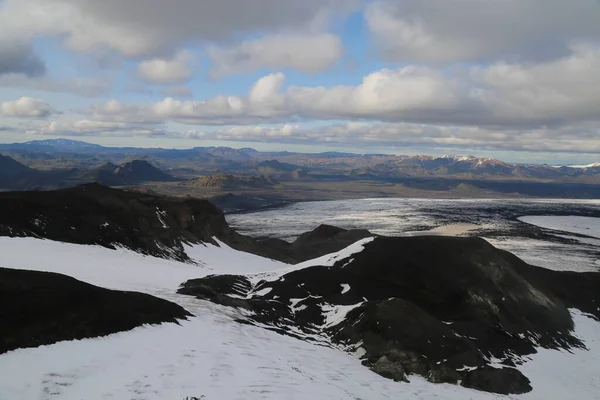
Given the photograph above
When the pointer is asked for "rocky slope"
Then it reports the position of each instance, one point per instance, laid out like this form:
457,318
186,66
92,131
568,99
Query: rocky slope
453,310
232,182
14,174
41,308
130,173
96,214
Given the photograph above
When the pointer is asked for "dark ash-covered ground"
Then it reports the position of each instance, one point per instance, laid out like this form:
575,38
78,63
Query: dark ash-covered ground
41,308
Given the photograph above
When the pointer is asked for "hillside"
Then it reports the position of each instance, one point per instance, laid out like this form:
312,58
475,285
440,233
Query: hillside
130,173
11,168
232,182
14,175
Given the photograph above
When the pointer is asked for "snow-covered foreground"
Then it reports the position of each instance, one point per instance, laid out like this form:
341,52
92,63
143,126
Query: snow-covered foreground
213,356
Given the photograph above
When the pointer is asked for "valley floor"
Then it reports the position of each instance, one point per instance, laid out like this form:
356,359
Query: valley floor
213,357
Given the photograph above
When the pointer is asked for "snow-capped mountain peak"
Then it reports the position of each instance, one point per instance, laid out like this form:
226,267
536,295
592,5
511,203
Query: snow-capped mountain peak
476,161
593,165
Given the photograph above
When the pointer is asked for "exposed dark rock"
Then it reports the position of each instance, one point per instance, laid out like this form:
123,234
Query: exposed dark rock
41,308
326,239
95,214
445,308
323,240
390,369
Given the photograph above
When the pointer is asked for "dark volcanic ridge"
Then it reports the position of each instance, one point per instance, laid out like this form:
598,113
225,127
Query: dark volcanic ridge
150,224
99,215
454,310
16,176
42,308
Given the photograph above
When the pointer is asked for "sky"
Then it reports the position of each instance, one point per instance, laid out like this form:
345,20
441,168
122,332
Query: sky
514,79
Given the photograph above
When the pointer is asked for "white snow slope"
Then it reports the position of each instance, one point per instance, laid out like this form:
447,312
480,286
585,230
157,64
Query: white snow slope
214,358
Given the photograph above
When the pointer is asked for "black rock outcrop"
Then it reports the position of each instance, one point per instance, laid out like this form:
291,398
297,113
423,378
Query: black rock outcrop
41,308
96,214
324,239
453,310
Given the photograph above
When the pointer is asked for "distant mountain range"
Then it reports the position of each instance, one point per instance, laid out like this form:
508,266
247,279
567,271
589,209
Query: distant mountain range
71,161
58,145
14,175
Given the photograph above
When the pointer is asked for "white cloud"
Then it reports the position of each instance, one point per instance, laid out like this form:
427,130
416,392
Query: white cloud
387,94
578,138
26,107
309,53
408,135
547,105
167,71
467,30
405,93
93,128
509,95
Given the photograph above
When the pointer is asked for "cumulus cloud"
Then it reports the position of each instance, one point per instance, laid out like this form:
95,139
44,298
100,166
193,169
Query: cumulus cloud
309,53
26,107
467,30
167,71
501,95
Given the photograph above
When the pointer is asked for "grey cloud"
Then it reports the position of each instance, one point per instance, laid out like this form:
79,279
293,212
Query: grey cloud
142,28
19,58
89,87
310,53
480,30
182,92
